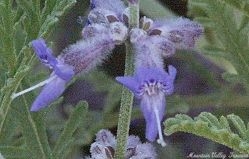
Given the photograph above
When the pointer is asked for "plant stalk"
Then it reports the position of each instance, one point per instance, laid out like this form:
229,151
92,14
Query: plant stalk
127,96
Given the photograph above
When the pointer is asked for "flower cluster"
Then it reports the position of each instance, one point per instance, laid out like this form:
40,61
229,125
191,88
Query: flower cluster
106,27
154,41
99,37
105,145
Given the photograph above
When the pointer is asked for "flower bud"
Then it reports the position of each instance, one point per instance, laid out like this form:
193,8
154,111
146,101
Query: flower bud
136,35
145,23
125,16
118,32
100,15
94,30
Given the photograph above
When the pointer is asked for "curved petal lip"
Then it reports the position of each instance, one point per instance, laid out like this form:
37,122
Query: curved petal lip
43,52
49,93
129,82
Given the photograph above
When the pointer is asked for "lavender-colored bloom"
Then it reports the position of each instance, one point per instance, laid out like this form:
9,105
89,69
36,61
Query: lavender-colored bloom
182,31
50,92
44,53
105,145
58,79
151,85
45,56
77,58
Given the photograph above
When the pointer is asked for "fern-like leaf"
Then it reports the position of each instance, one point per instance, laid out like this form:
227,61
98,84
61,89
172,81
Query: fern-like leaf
66,140
208,126
226,31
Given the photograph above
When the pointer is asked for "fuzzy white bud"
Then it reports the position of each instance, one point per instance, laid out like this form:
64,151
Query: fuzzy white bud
100,15
118,32
137,35
145,23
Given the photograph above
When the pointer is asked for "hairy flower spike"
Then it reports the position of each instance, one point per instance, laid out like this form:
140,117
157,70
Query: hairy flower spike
105,145
150,49
151,85
182,32
86,54
146,56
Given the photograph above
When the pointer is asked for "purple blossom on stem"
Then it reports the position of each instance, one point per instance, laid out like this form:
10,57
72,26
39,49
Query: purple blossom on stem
77,58
151,85
84,55
55,85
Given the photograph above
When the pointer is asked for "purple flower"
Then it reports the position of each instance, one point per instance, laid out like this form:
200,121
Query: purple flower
151,85
77,58
55,85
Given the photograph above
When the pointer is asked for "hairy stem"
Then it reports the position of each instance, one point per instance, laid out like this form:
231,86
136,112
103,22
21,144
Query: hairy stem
127,96
125,109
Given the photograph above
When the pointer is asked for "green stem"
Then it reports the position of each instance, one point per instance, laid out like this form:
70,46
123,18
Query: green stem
127,96
134,15
125,109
